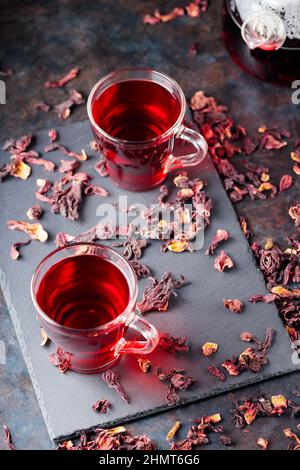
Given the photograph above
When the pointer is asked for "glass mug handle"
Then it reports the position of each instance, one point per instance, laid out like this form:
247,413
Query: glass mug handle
192,159
148,331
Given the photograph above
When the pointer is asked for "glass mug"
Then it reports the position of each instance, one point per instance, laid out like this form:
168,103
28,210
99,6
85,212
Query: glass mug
136,115
85,295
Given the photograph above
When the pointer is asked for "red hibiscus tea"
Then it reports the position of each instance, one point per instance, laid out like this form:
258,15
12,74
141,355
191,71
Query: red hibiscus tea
91,293
136,115
85,296
136,110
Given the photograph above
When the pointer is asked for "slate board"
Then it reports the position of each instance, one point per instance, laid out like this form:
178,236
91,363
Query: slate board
197,313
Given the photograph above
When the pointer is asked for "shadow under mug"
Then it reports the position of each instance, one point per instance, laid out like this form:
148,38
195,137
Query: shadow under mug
138,165
94,349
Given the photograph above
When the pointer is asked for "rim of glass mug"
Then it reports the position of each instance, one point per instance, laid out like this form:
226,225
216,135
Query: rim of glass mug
161,80
132,285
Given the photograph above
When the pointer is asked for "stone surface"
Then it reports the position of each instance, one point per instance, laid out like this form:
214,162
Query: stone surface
101,36
198,313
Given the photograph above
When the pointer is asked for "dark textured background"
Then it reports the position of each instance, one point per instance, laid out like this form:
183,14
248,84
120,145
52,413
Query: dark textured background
41,40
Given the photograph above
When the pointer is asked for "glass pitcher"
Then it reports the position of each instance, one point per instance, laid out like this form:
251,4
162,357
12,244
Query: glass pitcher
263,37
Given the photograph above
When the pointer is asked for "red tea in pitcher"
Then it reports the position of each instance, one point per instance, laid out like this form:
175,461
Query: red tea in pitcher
263,37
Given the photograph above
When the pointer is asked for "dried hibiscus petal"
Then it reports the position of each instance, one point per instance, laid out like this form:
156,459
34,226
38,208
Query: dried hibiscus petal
268,298
250,413
44,337
291,435
296,169
193,9
220,236
212,419
163,195
216,372
269,244
52,134
141,270
150,19
176,378
64,80
133,247
223,261
172,396
178,246
69,166
101,406
244,227
35,212
247,336
19,169
47,164
35,231
91,189
173,431
171,344
63,239
279,403
63,110
295,156
285,183
67,196
269,142
94,146
285,293
208,349
197,435
185,193
14,250
267,187
143,363
112,380
180,382
186,444
225,440
267,343
43,185
294,213
157,294
18,146
234,305
263,443
265,177
8,439
166,17
61,359
200,102
69,153
181,180
102,168
232,367
250,360
43,106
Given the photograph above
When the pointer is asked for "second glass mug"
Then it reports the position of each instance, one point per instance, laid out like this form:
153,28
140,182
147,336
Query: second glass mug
139,165
93,349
